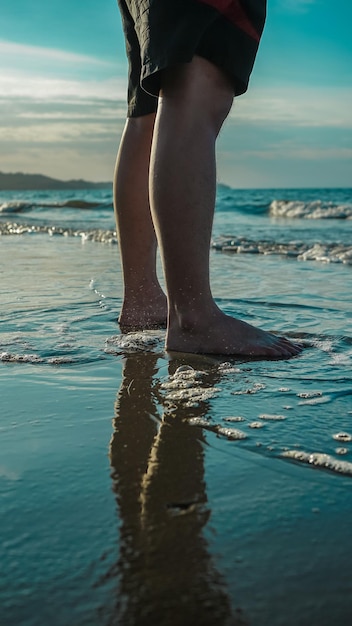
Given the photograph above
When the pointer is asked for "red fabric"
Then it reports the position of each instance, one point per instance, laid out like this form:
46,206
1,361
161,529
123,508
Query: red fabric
234,11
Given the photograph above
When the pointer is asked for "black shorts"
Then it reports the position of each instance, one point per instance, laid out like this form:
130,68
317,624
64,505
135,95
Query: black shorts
163,33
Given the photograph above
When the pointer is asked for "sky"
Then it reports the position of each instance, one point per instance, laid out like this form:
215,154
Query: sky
63,95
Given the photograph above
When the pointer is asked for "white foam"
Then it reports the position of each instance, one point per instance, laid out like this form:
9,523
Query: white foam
228,368
185,377
186,386
251,390
198,421
231,433
313,397
318,459
342,359
315,209
98,235
256,424
272,418
60,360
144,341
326,345
342,437
303,251
20,358
327,253
341,451
185,370
309,394
192,395
177,384
14,206
236,418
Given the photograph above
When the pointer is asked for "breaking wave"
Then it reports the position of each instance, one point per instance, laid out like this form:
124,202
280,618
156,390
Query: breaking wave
21,206
315,209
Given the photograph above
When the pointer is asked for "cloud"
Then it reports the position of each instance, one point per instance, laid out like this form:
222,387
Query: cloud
71,140
11,52
67,122
101,112
62,128
56,133
288,136
83,117
20,85
296,106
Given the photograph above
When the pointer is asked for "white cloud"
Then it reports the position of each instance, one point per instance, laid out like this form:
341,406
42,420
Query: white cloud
296,106
56,133
101,112
11,51
62,128
20,85
67,123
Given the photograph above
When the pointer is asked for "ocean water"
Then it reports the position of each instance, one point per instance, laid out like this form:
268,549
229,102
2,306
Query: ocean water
139,487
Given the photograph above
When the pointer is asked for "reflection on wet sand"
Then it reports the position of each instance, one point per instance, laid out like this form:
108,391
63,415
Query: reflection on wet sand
165,570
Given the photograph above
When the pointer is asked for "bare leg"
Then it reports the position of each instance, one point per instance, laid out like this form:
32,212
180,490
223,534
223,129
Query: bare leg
195,100
144,301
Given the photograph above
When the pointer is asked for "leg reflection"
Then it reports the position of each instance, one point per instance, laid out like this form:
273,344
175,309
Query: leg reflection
165,570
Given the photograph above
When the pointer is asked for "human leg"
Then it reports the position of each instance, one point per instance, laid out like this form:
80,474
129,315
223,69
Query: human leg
144,303
195,100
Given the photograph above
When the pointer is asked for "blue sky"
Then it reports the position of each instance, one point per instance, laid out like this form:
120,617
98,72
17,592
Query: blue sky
63,84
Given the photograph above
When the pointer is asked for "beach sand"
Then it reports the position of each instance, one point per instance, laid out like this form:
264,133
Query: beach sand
139,487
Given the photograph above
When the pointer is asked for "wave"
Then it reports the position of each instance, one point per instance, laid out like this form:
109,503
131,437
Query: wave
21,206
302,251
314,210
89,234
15,207
228,200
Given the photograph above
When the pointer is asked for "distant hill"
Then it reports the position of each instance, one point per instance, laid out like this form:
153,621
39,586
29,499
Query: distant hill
23,182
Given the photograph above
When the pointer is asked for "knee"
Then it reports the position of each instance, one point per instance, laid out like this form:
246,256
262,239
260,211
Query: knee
200,90
220,108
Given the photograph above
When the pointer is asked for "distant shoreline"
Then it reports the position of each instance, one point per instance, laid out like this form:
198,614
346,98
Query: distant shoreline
37,182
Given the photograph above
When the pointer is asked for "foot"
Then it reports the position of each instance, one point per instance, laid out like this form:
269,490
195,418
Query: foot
144,312
222,334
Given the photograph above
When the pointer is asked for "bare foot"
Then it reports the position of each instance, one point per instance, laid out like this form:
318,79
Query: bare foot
143,312
222,334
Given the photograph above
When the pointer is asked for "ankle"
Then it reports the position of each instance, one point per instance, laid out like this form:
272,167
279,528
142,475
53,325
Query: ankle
138,291
192,319
144,310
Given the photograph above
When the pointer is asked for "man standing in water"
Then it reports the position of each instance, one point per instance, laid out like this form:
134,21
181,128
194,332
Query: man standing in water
187,61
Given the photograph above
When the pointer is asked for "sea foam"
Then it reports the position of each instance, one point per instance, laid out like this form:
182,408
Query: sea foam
302,251
320,460
315,209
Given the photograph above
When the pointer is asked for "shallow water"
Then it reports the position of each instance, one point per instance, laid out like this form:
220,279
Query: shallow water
139,487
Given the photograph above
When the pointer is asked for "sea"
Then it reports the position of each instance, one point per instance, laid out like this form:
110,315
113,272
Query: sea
139,487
